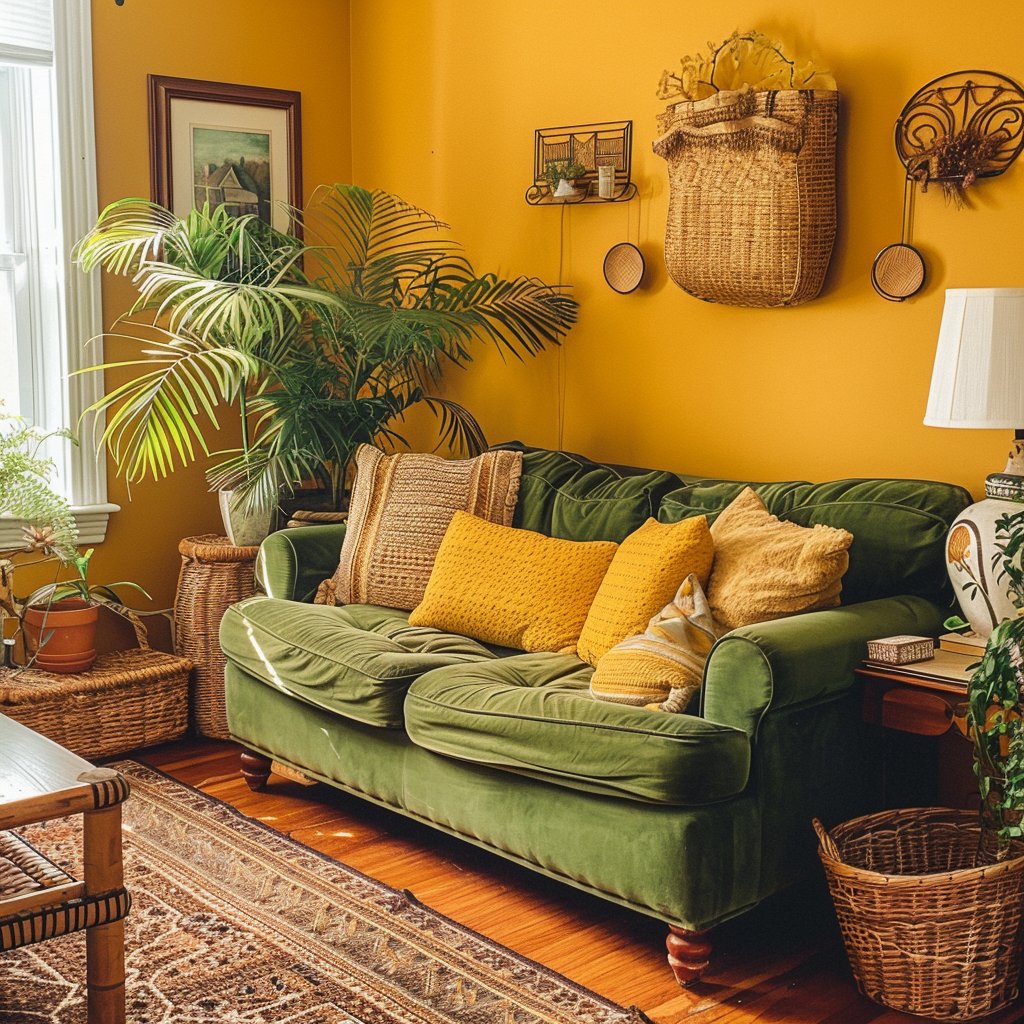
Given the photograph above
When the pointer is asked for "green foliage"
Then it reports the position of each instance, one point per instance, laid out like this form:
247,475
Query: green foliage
322,344
996,702
557,170
80,587
25,491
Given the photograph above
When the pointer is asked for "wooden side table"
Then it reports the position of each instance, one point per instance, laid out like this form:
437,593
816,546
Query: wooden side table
214,575
921,706
40,780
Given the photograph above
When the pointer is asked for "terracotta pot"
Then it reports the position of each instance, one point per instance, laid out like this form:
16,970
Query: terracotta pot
68,634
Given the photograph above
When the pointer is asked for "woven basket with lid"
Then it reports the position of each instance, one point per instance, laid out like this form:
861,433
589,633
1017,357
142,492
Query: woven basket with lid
128,699
214,575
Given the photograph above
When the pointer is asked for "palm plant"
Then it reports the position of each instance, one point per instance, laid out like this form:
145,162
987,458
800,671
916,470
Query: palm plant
321,344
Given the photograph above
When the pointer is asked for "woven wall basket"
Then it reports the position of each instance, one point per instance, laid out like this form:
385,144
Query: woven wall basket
752,212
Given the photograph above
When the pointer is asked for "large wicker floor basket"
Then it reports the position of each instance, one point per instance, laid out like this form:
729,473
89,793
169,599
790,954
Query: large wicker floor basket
214,575
929,928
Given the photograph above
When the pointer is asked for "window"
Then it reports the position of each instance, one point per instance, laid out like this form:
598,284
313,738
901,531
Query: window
49,310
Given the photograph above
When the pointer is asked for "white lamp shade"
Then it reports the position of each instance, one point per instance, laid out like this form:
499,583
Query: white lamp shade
978,378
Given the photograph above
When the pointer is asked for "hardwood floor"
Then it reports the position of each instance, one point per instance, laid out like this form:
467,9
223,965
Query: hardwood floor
782,962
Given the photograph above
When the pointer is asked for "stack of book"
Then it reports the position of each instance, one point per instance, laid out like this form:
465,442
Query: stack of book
963,643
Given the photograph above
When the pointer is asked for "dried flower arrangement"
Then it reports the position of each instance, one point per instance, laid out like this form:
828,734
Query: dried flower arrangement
747,59
955,161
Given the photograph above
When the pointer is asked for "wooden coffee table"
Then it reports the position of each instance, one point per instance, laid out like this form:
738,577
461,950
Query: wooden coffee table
40,780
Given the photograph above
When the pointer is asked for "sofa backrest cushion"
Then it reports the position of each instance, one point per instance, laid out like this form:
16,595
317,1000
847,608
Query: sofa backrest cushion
570,497
898,526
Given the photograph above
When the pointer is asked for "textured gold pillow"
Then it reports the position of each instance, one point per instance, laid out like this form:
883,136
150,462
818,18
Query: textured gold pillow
512,587
401,506
665,663
645,573
766,569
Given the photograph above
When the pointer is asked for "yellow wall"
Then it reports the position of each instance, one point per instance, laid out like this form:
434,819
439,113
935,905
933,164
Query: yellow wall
446,97
302,45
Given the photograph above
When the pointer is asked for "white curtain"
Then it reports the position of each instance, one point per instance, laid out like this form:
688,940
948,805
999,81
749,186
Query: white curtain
26,32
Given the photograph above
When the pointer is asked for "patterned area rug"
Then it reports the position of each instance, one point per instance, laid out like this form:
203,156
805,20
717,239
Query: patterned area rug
233,921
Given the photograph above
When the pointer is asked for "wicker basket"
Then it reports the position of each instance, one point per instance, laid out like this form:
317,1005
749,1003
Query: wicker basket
929,928
127,700
752,210
214,575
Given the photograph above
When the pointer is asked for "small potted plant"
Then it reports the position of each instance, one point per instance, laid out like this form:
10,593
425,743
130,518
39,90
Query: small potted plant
562,175
59,620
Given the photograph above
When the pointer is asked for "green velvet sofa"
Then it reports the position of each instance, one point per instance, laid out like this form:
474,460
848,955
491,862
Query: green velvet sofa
690,818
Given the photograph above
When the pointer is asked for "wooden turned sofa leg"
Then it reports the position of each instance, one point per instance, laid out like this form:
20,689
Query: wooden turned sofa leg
255,769
688,953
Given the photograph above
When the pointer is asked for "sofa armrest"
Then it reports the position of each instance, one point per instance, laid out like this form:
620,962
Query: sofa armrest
803,658
292,563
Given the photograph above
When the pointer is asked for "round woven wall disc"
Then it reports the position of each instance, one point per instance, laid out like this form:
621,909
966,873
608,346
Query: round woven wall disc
898,272
624,267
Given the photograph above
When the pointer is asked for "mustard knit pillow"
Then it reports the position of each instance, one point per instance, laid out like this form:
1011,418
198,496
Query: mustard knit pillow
644,575
766,569
515,588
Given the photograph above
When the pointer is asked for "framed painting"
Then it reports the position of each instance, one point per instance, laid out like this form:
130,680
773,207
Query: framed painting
233,145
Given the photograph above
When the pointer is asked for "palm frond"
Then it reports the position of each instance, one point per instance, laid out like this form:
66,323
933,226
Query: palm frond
459,428
127,234
153,417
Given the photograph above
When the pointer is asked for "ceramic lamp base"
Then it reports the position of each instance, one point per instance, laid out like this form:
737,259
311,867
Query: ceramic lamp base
970,548
1010,483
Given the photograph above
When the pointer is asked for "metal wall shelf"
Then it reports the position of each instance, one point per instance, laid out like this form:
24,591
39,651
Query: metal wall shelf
607,142
540,195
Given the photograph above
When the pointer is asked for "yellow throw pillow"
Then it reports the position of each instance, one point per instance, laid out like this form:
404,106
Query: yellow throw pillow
766,569
664,664
515,588
645,572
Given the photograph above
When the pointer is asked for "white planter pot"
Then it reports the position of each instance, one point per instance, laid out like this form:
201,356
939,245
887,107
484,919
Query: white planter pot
243,530
974,568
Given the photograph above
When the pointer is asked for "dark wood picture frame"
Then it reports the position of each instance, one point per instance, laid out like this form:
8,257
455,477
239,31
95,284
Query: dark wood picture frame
163,90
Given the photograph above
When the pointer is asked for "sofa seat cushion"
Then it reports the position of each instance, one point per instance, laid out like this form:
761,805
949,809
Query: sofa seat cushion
357,660
533,714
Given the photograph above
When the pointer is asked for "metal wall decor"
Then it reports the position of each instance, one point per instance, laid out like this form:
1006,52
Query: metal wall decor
954,131
589,145
961,127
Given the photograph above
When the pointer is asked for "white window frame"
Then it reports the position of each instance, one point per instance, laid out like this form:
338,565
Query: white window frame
65,395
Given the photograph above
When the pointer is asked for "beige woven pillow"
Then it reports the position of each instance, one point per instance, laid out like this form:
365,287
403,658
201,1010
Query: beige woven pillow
766,569
401,506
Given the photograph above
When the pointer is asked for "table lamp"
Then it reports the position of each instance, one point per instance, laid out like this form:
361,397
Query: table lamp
978,382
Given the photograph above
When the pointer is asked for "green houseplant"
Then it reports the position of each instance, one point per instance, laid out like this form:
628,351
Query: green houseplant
319,344
557,171
58,620
995,716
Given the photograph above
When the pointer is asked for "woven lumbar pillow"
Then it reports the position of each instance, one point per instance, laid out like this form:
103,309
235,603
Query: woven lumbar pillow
515,588
766,569
662,668
401,506
643,576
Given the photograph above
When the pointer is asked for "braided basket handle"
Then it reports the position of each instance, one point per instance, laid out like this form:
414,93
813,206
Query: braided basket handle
826,841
